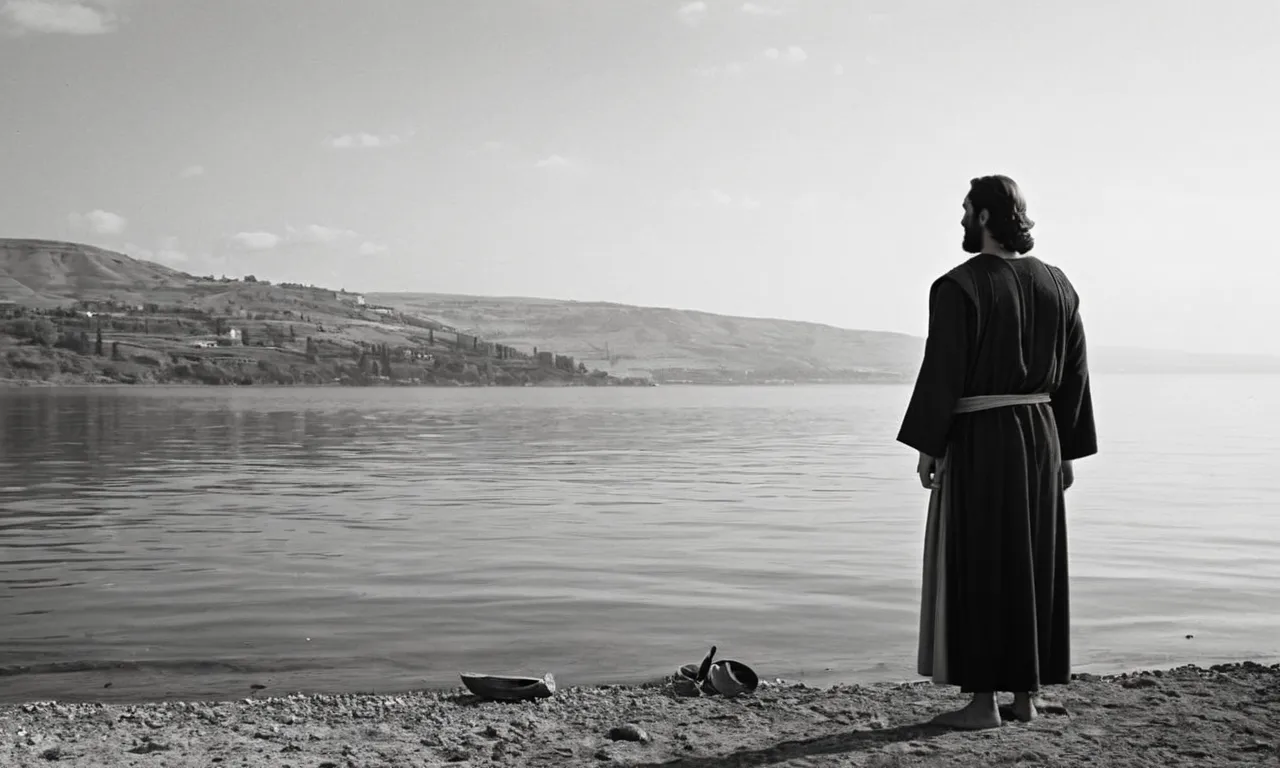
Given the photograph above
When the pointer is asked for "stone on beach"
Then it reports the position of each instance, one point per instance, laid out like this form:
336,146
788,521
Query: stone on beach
628,732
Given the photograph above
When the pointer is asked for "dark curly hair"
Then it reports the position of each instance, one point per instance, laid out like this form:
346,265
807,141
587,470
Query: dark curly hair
1006,208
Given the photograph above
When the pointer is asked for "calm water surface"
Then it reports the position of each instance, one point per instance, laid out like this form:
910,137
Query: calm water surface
190,542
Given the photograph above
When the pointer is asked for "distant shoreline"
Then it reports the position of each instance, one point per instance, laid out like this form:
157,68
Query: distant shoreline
40,384
16,383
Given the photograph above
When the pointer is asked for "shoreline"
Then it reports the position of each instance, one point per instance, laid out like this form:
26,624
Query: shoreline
634,384
1226,714
141,683
16,383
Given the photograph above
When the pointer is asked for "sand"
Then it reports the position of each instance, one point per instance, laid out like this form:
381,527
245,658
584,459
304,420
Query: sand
1189,716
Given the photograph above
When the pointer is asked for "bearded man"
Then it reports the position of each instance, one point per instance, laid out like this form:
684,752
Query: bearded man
1001,408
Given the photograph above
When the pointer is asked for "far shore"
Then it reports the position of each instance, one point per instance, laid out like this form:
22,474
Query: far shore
35,383
629,383
1227,714
14,383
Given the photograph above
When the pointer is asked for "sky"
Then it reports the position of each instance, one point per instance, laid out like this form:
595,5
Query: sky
800,159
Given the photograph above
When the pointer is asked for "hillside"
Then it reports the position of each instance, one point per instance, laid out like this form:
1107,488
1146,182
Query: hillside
46,272
673,344
73,313
307,333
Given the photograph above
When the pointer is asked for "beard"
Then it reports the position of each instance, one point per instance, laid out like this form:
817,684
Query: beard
972,239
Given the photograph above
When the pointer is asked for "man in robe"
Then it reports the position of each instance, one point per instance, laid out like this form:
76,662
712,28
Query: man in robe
1001,408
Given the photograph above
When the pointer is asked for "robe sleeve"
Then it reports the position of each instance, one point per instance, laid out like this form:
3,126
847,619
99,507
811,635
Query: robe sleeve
940,382
1073,400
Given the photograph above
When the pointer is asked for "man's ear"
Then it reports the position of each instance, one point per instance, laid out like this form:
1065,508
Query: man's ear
983,215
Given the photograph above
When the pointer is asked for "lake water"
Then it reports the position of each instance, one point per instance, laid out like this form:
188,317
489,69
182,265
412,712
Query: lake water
190,542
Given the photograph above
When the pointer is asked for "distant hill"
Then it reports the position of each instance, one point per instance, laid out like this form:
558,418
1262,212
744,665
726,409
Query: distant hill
75,314
45,273
673,344
51,272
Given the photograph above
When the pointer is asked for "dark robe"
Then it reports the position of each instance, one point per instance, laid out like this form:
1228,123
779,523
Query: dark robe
998,327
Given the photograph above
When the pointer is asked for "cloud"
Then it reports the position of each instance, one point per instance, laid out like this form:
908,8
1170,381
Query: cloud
555,161
692,13
315,234
792,53
369,248
99,221
61,17
311,234
167,252
192,171
712,199
757,9
364,141
255,241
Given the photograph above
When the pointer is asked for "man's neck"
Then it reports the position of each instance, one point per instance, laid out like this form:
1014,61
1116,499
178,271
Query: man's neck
997,250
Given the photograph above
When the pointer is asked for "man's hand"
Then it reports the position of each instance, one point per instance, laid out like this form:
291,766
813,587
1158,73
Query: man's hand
928,469
1068,475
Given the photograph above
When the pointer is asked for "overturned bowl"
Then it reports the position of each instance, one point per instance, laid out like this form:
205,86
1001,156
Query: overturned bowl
731,678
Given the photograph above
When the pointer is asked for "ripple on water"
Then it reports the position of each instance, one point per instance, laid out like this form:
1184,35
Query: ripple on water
356,537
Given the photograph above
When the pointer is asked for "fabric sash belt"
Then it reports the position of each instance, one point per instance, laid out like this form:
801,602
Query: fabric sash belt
987,402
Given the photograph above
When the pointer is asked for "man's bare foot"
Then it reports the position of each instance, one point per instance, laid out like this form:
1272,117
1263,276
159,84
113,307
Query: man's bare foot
1037,707
1024,707
978,715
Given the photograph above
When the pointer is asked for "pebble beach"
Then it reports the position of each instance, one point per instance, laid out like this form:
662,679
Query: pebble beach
1222,715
